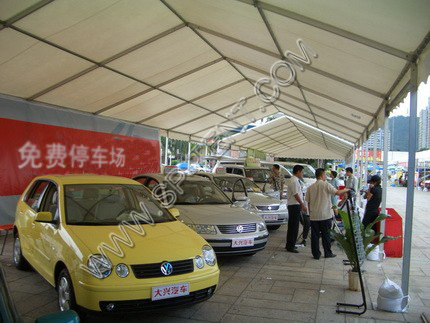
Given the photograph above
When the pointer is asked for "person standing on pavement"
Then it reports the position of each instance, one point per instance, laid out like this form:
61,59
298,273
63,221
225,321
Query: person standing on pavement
296,204
374,198
304,218
335,183
351,180
276,180
319,203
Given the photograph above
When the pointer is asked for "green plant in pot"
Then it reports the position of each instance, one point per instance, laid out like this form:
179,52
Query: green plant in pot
345,241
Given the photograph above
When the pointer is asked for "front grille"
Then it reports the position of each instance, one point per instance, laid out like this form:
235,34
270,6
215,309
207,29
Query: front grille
232,228
148,304
154,270
268,207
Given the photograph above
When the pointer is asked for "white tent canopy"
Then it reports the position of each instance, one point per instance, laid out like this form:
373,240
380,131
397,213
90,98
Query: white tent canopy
181,65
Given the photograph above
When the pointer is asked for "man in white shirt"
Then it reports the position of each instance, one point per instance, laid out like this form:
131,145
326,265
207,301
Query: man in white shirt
351,180
295,206
318,197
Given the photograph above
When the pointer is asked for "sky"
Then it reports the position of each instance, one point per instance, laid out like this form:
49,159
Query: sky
423,95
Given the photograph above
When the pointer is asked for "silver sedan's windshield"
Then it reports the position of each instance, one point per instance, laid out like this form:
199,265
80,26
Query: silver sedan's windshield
111,204
228,183
201,192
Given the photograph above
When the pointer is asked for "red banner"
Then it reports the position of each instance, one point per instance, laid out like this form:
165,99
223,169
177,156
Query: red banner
31,149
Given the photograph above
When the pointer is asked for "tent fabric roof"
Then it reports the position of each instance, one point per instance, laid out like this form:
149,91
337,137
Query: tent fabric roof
182,65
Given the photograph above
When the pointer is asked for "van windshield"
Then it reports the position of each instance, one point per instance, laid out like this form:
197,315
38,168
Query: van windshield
306,171
257,175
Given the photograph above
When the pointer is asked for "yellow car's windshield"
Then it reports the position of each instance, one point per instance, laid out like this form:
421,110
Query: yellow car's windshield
111,204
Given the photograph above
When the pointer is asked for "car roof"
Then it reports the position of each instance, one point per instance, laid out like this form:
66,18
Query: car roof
218,175
88,179
242,166
162,177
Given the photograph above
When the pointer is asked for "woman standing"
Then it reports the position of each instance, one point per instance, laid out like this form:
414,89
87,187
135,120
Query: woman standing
374,198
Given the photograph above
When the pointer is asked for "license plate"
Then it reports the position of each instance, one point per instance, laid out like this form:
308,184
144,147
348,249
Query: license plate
237,243
169,291
270,217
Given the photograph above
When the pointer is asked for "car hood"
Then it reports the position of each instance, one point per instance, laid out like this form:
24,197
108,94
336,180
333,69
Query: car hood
155,245
216,214
261,199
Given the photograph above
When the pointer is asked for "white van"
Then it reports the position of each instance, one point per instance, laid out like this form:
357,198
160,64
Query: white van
309,171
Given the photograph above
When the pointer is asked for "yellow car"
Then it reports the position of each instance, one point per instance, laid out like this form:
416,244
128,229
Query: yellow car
106,245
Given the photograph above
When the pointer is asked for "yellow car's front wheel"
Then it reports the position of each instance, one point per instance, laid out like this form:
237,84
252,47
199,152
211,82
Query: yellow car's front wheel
66,295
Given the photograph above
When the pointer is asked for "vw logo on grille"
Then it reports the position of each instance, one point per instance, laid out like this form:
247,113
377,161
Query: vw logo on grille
269,207
166,268
239,228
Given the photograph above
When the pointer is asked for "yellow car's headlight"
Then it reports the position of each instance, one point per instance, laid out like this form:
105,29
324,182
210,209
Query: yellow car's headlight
99,266
200,263
209,255
122,270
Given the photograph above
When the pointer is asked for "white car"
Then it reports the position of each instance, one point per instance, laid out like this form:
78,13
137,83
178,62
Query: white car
229,228
273,210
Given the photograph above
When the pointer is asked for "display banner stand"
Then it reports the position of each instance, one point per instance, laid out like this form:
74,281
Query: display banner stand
360,256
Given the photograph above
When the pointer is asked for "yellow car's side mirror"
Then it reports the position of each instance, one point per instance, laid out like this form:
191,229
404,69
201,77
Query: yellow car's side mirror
175,212
46,217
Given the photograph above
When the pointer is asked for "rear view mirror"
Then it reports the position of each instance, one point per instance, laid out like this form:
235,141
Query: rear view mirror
44,217
175,212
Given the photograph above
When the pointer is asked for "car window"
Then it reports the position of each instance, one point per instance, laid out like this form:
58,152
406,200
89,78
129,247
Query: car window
226,184
50,201
34,197
151,183
258,175
308,173
202,193
111,204
141,180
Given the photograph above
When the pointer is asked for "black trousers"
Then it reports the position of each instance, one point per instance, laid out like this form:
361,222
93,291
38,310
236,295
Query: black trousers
293,226
320,229
306,223
369,217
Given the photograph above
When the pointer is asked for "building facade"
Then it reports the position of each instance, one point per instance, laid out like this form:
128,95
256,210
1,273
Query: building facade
424,128
379,140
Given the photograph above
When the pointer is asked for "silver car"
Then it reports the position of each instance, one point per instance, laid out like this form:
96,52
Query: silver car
273,211
227,227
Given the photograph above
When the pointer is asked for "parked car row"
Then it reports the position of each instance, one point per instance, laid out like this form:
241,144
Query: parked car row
110,244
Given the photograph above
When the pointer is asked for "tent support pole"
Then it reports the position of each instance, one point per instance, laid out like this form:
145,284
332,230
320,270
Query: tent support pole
166,150
366,165
413,123
375,150
384,183
189,152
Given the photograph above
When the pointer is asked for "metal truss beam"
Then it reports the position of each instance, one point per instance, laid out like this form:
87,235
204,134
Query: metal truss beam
332,29
24,13
256,69
278,56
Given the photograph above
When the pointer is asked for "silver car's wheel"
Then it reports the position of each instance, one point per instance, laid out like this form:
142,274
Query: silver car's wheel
18,259
64,294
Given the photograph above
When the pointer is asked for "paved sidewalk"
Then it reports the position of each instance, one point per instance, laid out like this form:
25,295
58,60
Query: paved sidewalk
273,284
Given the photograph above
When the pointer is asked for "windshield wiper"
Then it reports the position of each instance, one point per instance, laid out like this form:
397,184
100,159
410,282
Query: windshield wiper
92,223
